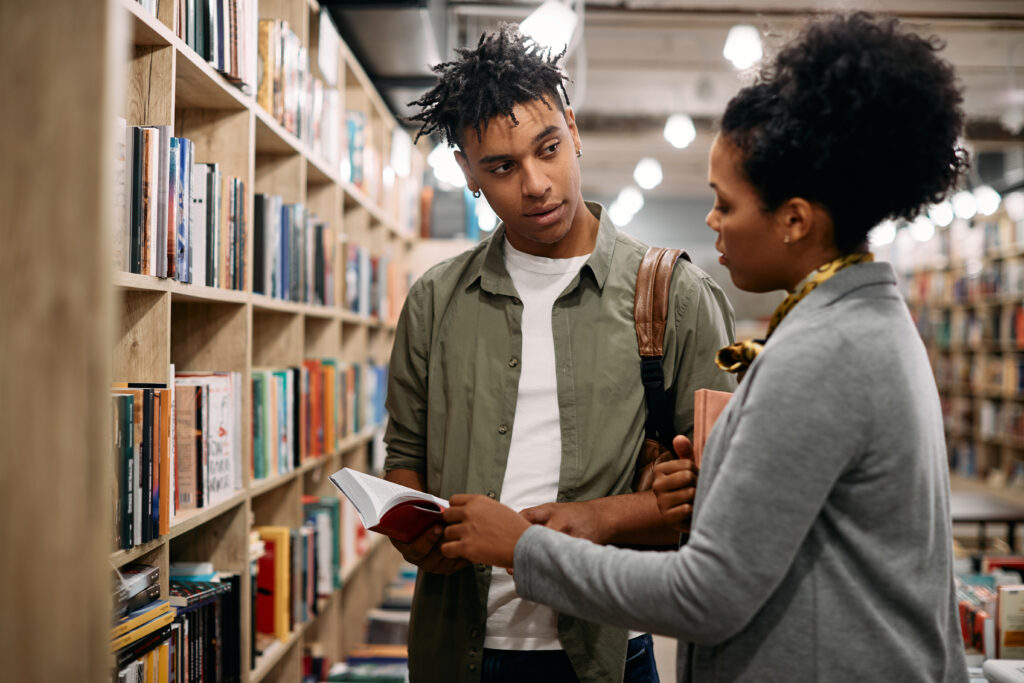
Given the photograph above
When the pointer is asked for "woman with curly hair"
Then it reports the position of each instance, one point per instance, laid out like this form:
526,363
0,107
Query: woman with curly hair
820,547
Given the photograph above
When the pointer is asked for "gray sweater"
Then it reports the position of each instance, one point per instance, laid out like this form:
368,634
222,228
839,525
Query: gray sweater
821,544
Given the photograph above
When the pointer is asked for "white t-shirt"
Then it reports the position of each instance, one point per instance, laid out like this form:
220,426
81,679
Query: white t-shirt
535,451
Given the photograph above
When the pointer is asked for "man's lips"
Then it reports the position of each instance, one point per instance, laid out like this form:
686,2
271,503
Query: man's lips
545,215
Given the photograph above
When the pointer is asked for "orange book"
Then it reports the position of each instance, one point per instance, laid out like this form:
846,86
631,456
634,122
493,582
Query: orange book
328,384
708,404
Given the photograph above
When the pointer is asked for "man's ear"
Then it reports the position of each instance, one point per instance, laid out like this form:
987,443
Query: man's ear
574,131
464,165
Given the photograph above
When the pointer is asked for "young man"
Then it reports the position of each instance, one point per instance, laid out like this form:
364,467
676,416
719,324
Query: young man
515,373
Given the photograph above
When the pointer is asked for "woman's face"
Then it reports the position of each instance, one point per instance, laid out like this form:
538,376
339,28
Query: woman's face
750,241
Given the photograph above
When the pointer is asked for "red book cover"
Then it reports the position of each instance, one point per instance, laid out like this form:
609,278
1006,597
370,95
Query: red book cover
407,521
265,589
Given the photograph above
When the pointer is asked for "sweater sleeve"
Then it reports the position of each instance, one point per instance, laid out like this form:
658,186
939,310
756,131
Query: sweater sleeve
797,431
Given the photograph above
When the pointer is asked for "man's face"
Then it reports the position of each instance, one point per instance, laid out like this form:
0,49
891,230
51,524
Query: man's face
528,173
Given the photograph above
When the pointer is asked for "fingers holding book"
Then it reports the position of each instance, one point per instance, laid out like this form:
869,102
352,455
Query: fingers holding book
675,486
425,552
482,530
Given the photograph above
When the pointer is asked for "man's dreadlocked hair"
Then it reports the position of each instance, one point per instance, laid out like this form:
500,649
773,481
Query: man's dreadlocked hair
500,73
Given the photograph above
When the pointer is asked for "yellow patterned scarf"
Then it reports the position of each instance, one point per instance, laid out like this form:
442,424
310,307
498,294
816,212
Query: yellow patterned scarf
738,357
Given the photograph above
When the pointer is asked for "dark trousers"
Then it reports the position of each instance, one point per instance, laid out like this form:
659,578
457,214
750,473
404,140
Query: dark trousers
553,666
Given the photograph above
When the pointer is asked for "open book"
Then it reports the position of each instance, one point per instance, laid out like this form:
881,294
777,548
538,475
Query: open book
708,404
391,509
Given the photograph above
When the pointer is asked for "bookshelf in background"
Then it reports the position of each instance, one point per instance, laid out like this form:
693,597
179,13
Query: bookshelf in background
261,250
965,290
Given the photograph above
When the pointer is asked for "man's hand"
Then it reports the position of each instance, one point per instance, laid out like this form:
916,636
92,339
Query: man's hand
675,486
582,520
482,530
425,552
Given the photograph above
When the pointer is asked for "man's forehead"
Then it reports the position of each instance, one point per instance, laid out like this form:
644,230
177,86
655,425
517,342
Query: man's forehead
531,118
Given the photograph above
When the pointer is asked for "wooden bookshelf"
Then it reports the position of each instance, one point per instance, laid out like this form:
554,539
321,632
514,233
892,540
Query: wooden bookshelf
965,289
161,322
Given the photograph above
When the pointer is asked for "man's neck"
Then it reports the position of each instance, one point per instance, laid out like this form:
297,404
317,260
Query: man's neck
580,239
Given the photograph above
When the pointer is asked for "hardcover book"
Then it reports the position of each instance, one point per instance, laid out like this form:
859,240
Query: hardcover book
391,509
708,404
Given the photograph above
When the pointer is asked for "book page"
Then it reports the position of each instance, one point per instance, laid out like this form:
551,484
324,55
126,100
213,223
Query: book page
366,491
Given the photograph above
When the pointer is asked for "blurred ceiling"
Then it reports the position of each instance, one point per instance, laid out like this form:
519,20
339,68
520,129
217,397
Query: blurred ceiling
640,61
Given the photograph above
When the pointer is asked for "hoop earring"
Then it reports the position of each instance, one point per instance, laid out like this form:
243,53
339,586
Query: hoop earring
579,152
476,194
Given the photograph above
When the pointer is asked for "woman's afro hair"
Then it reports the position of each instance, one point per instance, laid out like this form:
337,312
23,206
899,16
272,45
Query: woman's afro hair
857,114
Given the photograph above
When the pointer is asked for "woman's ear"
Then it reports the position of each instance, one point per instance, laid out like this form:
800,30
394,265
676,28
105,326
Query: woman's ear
796,220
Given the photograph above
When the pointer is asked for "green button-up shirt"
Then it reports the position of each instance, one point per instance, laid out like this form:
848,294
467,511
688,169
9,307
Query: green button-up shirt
452,393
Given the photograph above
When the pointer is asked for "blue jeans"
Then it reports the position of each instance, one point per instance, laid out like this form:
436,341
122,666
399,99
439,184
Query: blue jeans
553,666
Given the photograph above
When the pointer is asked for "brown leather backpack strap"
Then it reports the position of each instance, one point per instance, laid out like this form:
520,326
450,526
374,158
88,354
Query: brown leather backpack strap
650,302
650,312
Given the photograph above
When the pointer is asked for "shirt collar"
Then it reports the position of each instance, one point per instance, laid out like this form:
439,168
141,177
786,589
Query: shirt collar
494,277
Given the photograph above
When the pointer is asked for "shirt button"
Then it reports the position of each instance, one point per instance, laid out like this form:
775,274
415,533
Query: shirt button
512,362
481,568
502,429
474,633
491,494
472,652
472,666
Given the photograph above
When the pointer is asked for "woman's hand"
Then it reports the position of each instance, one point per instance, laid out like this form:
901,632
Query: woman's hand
482,530
675,486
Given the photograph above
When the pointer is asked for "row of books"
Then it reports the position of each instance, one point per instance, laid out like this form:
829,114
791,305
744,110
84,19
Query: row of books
174,448
994,420
295,568
1001,373
293,253
375,285
1001,421
972,328
990,602
1003,278
306,411
141,451
290,92
192,635
176,217
223,32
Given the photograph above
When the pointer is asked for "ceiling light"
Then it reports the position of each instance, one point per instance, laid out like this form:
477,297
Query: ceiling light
965,205
743,46
987,199
551,25
619,215
446,169
922,229
680,131
1014,203
625,206
941,214
882,234
647,173
631,199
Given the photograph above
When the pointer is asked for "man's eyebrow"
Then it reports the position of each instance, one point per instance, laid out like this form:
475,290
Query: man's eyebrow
492,158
